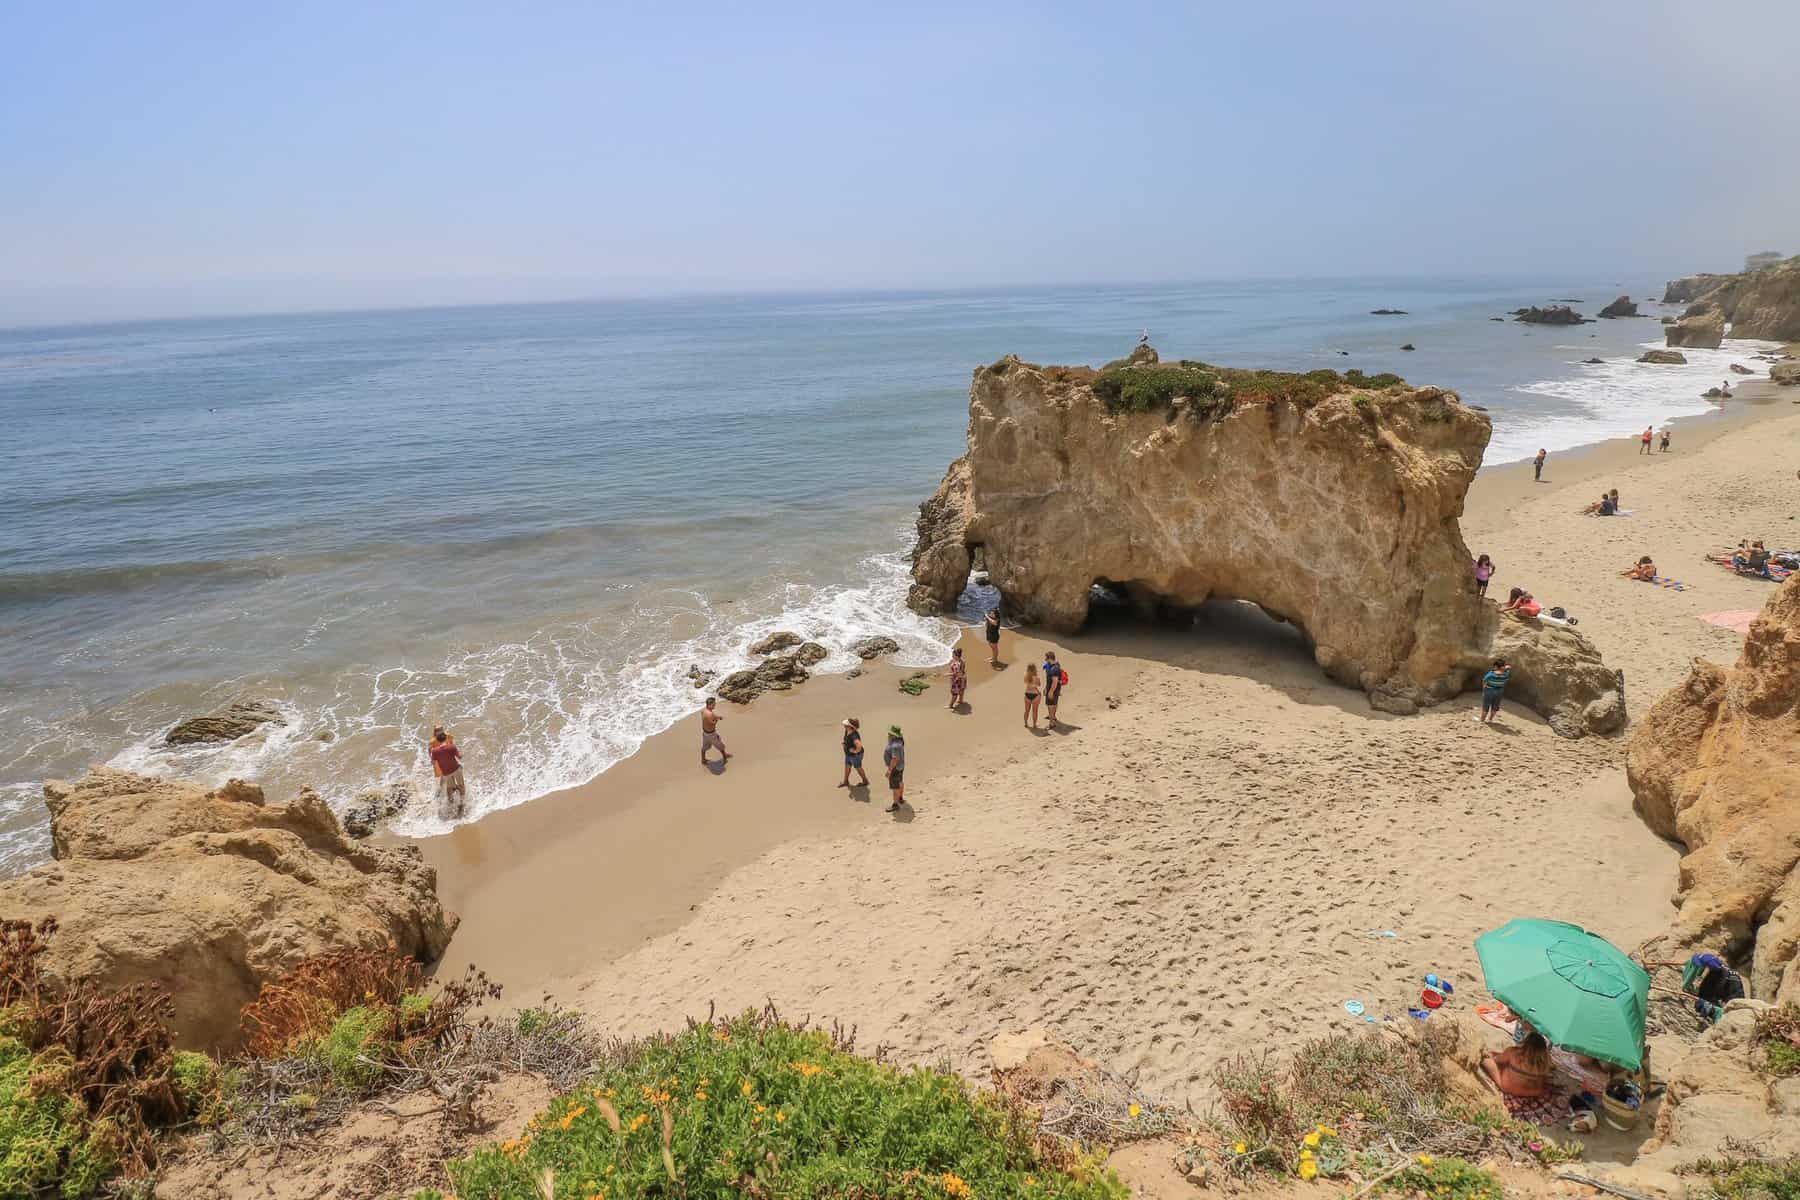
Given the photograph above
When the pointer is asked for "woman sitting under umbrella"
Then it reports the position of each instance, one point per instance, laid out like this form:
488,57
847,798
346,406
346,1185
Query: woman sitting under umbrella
1523,1074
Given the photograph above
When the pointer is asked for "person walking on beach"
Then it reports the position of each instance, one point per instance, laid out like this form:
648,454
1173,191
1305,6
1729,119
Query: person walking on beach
1537,464
959,678
1484,571
1493,686
1665,439
894,758
1054,678
446,764
1032,686
1644,441
992,624
710,717
853,752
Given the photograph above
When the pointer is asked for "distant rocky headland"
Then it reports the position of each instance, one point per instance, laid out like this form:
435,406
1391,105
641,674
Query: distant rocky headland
1329,500
1763,303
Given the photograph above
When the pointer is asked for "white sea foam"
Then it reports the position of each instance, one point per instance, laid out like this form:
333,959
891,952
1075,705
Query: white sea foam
557,709
1617,398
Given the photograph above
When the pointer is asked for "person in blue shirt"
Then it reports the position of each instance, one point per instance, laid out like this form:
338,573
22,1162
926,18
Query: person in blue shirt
1054,678
1493,686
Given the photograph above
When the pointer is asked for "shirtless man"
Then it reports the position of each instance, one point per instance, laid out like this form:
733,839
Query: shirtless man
710,717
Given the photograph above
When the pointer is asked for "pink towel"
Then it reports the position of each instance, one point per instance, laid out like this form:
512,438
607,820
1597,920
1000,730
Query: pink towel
1737,621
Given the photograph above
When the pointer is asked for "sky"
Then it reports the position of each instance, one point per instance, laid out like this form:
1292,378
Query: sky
176,158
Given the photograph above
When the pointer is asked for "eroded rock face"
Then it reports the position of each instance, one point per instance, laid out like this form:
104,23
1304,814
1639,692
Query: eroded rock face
1764,303
1715,765
1337,514
225,725
1704,330
210,893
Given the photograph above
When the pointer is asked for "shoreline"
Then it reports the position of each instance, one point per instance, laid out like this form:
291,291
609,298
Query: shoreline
641,847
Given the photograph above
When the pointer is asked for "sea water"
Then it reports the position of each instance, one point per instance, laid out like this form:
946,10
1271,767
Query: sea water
528,522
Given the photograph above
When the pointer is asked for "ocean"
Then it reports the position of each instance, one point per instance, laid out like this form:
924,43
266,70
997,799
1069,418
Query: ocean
527,522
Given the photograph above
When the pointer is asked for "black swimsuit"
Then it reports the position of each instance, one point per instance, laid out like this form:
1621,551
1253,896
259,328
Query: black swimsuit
993,632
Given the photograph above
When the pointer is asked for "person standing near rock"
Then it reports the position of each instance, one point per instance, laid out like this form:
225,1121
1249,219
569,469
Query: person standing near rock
446,764
959,678
894,758
710,717
1644,441
853,752
1054,678
992,628
1537,464
1484,571
1493,687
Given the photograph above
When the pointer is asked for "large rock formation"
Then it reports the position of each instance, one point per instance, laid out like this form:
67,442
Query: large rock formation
1560,314
1624,306
1330,502
1786,374
1704,330
210,893
1715,764
1666,357
1763,303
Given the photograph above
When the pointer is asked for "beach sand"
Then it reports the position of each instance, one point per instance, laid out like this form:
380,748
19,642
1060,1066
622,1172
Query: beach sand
1210,868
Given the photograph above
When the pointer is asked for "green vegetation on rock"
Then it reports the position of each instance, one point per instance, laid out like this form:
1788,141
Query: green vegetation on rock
346,1047
1214,391
47,1141
758,1107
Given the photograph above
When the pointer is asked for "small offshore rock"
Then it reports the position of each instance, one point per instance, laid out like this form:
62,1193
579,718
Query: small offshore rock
1560,314
1595,361
811,653
1666,357
224,725
777,674
874,647
700,678
1409,346
1741,369
1387,312
1624,306
779,640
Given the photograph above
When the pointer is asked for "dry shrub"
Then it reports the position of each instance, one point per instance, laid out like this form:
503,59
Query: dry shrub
109,1048
303,1004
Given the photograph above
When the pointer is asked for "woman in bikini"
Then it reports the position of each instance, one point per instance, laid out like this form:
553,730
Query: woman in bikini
1645,570
1522,1075
1032,687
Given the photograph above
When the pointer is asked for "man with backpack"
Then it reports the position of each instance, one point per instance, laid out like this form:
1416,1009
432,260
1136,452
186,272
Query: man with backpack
1054,679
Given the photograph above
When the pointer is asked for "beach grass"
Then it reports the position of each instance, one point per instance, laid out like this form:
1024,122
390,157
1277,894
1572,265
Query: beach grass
1213,391
758,1106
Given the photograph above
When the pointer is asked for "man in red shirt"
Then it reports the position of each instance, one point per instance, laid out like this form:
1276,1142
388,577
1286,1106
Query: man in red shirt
446,764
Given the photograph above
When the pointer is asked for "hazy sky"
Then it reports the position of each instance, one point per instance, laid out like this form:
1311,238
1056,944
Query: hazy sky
179,157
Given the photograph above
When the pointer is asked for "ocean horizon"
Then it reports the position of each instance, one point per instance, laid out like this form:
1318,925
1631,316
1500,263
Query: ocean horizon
528,521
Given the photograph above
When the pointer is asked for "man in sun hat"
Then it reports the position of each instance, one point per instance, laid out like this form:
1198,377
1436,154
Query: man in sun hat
895,759
853,752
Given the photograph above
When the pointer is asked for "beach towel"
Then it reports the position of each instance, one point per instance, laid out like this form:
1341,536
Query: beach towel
1499,1016
1539,1110
1737,620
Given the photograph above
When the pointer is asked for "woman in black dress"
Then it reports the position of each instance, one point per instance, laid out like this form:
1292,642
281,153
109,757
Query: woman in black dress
993,637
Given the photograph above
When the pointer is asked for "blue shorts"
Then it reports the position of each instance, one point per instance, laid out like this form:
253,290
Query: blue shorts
1490,701
854,760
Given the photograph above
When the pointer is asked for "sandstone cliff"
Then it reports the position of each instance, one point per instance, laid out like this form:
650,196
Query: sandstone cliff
1704,330
1756,304
209,893
1330,502
1715,765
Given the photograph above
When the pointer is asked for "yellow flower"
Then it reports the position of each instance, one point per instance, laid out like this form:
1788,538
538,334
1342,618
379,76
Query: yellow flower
1134,1110
780,1116
746,1087
1328,1131
1305,1155
1312,1139
721,1034
597,1196
1424,1160
806,1069
1241,1148
700,1095
1309,1169
955,1186
762,1108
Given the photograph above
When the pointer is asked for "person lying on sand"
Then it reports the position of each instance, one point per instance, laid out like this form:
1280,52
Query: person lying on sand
1521,603
1645,570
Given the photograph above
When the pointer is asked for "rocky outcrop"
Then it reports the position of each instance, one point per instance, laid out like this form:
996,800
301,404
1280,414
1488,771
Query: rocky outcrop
1741,369
1560,314
1387,312
210,893
1761,303
1328,501
224,725
1704,330
777,674
369,810
811,653
1624,306
779,640
874,647
1785,374
1666,357
1714,765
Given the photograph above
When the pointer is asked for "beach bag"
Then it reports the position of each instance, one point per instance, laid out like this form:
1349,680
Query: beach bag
1559,614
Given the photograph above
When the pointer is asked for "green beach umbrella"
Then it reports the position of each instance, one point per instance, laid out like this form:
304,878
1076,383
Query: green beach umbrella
1576,988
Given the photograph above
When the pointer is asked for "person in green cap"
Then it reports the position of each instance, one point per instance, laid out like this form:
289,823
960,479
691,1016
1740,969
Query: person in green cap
894,757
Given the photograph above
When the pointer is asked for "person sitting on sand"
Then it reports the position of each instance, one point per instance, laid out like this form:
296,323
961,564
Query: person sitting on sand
1752,561
1522,1074
1484,571
1521,603
1645,570
853,753
959,678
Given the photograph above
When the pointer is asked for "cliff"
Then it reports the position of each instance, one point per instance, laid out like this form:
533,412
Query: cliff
1761,304
211,893
1331,502
1714,765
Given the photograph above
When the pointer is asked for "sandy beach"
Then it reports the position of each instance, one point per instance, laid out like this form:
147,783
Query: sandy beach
1218,848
